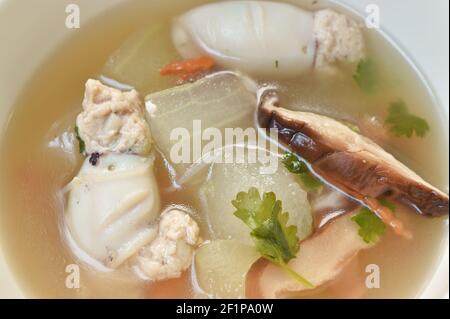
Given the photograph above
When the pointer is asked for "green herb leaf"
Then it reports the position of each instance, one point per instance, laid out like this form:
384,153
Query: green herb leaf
269,225
371,227
384,202
81,144
294,165
275,240
365,76
403,123
311,182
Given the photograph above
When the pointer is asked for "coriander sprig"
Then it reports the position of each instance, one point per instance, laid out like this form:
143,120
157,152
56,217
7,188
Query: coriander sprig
274,239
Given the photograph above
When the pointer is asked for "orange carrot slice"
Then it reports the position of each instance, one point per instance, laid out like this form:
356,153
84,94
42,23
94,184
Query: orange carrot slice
189,67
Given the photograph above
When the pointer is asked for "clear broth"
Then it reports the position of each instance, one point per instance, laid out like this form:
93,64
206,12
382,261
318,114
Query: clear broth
31,212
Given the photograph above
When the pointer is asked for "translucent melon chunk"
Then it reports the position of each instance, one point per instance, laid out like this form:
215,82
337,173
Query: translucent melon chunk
138,61
221,267
222,100
226,180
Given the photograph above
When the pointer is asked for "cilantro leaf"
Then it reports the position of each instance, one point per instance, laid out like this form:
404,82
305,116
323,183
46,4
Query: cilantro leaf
253,210
310,181
403,123
269,225
275,240
384,202
294,165
81,144
365,76
371,227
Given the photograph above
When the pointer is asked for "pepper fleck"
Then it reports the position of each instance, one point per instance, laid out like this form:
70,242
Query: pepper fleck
94,158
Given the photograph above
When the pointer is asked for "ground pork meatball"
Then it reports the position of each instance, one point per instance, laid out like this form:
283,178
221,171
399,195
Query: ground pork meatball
171,252
113,121
338,37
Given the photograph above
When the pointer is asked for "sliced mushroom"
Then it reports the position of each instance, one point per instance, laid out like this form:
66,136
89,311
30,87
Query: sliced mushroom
321,259
351,162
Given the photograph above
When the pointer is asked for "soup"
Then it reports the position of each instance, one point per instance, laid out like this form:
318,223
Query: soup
344,232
